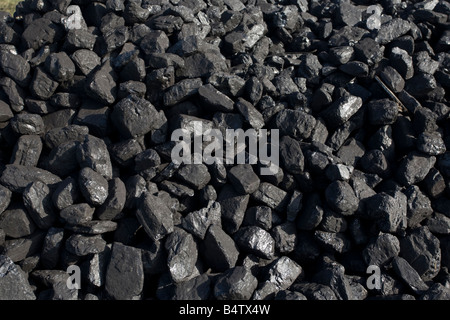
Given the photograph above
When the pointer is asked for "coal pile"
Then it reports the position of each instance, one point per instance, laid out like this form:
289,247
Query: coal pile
91,92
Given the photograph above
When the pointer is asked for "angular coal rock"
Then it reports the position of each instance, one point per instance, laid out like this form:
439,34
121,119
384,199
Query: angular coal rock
342,110
237,283
260,216
51,248
195,175
124,274
86,60
60,66
37,199
421,84
5,111
198,288
16,223
77,213
382,112
250,113
243,178
81,245
27,151
134,116
15,67
42,86
414,168
178,190
436,292
255,240
14,284
285,237
315,291
295,123
392,79
198,222
124,152
271,196
381,249
333,242
93,153
155,41
93,186
374,161
220,251
5,198
62,160
391,30
291,155
311,214
419,206
27,124
341,197
421,249
439,223
155,216
233,206
409,275
334,277
402,62
115,202
57,136
431,143
19,249
181,254
94,227
101,84
389,212
66,193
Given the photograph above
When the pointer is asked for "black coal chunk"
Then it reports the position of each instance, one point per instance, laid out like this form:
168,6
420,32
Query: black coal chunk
381,249
220,251
16,223
125,273
181,254
237,283
37,199
93,186
155,216
14,284
243,178
409,276
81,245
255,240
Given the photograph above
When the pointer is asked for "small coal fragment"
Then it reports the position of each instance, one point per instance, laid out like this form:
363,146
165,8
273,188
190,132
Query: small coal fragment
260,216
16,223
233,206
66,193
124,274
243,178
115,202
27,151
389,212
381,249
341,197
237,283
198,222
195,175
93,186
198,288
181,254
155,216
382,112
419,206
220,251
295,123
93,153
51,248
421,249
414,168
81,245
255,240
342,110
77,213
271,196
334,242
37,199
14,284
410,276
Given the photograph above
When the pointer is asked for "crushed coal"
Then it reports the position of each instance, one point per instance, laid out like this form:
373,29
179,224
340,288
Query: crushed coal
353,98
